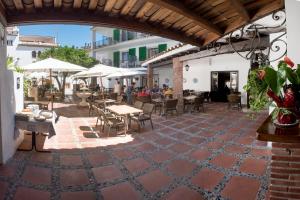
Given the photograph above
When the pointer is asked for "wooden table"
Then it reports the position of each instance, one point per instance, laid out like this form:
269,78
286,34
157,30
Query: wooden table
285,161
125,111
190,98
105,102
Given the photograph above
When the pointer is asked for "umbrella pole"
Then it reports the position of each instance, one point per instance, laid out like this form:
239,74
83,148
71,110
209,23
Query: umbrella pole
52,96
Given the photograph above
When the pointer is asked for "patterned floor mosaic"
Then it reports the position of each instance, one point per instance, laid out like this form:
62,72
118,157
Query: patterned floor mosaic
211,155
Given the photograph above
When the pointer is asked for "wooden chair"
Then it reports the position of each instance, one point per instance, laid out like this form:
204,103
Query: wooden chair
144,99
145,116
110,122
198,103
234,101
170,106
138,104
113,96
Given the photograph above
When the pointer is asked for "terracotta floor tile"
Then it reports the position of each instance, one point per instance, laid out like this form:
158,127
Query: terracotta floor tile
123,153
99,158
146,147
207,178
200,154
24,193
42,158
214,145
235,149
136,165
161,156
86,195
8,170
164,141
3,188
261,152
234,191
154,181
73,177
74,160
195,140
183,192
254,166
124,191
37,175
181,167
224,160
179,148
107,173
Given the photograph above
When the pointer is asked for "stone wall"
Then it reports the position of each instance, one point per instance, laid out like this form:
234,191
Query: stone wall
178,83
150,76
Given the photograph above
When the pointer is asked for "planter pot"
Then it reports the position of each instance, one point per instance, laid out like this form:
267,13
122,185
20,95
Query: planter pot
286,120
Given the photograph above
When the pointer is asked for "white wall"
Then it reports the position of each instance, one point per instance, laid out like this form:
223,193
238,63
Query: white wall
10,99
202,68
292,8
163,74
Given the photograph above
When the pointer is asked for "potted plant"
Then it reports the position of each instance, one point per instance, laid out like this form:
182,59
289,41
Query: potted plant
281,85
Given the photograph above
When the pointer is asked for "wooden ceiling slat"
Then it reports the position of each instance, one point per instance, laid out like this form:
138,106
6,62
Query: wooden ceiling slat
93,4
160,15
144,9
38,3
239,7
2,14
275,5
109,5
19,4
181,9
118,6
77,3
57,3
128,6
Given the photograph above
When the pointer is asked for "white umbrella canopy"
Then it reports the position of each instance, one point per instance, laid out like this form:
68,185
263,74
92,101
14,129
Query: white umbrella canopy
98,71
37,75
127,73
54,65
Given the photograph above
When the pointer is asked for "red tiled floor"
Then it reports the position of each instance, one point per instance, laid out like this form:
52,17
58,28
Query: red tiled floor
164,141
123,153
154,181
235,149
241,188
200,154
74,160
98,158
37,175
195,140
78,195
254,166
107,173
3,188
30,194
181,167
136,165
261,152
183,192
120,191
207,178
8,170
224,160
41,158
161,156
146,147
180,148
214,145
73,177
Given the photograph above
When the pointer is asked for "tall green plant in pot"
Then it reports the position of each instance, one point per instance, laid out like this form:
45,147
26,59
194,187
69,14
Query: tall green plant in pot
281,85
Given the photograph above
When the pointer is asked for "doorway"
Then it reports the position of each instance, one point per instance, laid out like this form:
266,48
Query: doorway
222,83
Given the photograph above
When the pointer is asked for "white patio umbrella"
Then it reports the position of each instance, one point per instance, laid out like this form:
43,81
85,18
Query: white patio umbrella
127,73
53,65
99,70
37,75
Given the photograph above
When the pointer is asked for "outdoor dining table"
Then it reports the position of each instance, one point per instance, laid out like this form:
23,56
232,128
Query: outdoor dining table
190,99
105,102
125,111
42,104
36,127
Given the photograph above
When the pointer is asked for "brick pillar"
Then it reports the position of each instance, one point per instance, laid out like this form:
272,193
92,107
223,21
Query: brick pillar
150,77
285,171
178,83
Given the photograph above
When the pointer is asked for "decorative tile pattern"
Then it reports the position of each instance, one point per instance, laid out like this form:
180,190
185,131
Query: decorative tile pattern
193,156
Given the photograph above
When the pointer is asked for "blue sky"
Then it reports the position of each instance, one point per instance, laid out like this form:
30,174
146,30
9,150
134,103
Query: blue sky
68,35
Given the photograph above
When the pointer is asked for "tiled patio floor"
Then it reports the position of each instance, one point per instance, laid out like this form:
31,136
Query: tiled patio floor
211,155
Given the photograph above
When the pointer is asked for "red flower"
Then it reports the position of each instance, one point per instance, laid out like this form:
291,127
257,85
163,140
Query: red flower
275,98
261,74
288,61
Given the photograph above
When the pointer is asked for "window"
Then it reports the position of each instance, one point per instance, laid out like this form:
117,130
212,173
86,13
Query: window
124,56
33,54
9,42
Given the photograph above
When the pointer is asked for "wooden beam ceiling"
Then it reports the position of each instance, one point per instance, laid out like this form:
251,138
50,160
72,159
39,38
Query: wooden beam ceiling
240,9
180,8
2,14
38,3
73,17
19,4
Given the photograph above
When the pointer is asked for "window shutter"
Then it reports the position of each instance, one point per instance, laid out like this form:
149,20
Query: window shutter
142,53
162,47
116,34
116,56
132,54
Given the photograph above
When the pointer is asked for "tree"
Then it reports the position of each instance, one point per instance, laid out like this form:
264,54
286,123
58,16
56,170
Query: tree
71,55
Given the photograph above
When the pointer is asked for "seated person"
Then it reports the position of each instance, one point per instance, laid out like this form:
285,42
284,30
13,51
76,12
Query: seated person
155,88
143,93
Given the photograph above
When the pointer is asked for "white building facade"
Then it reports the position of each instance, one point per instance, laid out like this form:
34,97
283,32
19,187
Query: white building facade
26,49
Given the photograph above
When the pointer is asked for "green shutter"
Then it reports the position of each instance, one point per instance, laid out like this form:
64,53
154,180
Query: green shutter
131,52
142,53
116,58
116,35
162,47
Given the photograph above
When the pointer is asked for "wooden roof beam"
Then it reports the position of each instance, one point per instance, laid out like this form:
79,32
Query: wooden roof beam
180,8
128,6
77,17
267,9
2,14
240,9
19,4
